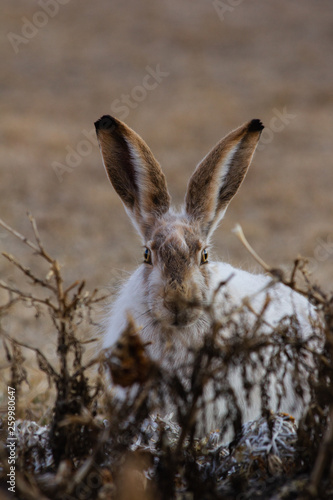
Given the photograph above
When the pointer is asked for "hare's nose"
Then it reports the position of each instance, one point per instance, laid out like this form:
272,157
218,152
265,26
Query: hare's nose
172,305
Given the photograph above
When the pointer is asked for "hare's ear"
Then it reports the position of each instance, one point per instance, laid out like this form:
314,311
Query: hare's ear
133,171
219,175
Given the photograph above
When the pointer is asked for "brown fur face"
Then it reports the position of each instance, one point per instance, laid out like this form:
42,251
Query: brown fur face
176,278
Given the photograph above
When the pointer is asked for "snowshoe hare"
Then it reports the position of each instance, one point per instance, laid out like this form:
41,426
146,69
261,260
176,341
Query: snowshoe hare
168,292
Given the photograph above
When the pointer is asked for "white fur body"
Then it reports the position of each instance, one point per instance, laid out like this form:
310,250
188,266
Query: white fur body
170,346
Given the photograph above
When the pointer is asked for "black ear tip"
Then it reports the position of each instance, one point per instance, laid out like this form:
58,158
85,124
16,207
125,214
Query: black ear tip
255,125
107,122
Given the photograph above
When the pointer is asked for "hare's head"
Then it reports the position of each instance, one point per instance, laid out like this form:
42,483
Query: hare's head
176,262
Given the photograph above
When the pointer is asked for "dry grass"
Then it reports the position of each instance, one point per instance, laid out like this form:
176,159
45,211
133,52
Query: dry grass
93,439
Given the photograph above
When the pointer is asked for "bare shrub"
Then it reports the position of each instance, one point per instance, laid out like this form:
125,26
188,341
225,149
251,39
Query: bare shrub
120,441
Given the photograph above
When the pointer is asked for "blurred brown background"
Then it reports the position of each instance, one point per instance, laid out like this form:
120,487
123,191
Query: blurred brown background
182,74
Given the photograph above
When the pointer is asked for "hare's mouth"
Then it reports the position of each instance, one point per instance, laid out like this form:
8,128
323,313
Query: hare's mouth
184,318
180,322
175,313
175,320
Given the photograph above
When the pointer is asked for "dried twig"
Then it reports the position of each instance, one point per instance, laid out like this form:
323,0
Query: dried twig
324,457
238,231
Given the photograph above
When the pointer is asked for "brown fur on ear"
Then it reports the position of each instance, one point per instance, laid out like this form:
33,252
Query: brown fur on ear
133,171
217,178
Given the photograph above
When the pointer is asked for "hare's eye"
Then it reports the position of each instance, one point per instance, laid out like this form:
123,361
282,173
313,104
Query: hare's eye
147,256
204,256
